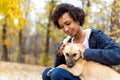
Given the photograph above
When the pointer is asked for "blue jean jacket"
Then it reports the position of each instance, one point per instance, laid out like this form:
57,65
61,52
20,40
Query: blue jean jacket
102,49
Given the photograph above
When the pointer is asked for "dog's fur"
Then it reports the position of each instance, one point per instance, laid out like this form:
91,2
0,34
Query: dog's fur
86,70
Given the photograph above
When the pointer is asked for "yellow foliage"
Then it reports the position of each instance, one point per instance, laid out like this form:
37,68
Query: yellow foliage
86,8
96,1
8,43
50,6
1,22
0,34
22,23
46,60
10,8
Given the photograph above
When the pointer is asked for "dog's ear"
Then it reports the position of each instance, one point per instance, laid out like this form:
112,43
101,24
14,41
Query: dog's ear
81,54
61,52
63,48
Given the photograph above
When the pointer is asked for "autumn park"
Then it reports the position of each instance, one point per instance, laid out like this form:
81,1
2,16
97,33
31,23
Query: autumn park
28,39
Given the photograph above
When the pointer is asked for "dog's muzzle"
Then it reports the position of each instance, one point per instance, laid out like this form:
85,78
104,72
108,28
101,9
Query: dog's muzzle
70,63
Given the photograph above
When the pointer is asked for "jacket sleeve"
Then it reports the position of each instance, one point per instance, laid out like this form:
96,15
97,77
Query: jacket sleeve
59,59
106,51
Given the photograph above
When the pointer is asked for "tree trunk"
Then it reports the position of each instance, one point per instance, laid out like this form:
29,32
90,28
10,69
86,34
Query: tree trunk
47,39
48,35
21,57
48,28
5,51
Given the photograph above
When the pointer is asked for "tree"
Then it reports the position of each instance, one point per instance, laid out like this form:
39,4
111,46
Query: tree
9,10
115,21
51,4
23,22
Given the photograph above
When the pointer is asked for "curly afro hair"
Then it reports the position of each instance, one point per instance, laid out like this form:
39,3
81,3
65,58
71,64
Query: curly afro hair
76,13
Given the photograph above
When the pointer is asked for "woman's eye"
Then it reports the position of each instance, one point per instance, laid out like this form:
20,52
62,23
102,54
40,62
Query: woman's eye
68,23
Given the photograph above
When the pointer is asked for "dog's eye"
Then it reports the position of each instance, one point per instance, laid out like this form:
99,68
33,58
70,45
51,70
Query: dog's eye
74,54
67,54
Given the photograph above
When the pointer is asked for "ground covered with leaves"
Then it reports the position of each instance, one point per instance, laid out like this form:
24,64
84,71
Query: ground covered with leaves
16,71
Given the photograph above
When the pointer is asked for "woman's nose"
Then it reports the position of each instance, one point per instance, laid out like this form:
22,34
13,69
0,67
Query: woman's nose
66,28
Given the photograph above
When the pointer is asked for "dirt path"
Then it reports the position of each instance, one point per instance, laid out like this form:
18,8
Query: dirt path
15,71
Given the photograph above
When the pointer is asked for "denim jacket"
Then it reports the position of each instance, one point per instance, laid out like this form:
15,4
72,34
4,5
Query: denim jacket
102,49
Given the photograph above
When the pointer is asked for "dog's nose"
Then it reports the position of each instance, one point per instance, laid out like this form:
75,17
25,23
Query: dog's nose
70,65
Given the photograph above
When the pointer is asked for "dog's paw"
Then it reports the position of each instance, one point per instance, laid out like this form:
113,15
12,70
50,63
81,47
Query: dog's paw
62,66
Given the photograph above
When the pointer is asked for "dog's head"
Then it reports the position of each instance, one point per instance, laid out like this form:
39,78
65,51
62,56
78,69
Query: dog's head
72,53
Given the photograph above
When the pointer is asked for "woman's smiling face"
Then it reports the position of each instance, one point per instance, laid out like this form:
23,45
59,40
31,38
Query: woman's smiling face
68,25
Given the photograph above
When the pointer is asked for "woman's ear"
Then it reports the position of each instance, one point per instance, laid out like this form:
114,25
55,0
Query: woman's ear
78,23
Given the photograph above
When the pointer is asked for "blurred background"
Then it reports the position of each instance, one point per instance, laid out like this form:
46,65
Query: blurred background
28,36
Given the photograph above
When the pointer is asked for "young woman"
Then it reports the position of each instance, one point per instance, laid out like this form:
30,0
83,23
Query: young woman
95,45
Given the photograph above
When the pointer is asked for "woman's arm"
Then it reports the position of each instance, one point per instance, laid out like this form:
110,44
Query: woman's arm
60,59
106,51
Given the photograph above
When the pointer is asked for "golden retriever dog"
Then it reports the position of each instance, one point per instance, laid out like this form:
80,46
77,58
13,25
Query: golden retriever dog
86,70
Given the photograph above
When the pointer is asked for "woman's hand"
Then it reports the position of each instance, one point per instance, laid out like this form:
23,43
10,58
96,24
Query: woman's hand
81,47
62,47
